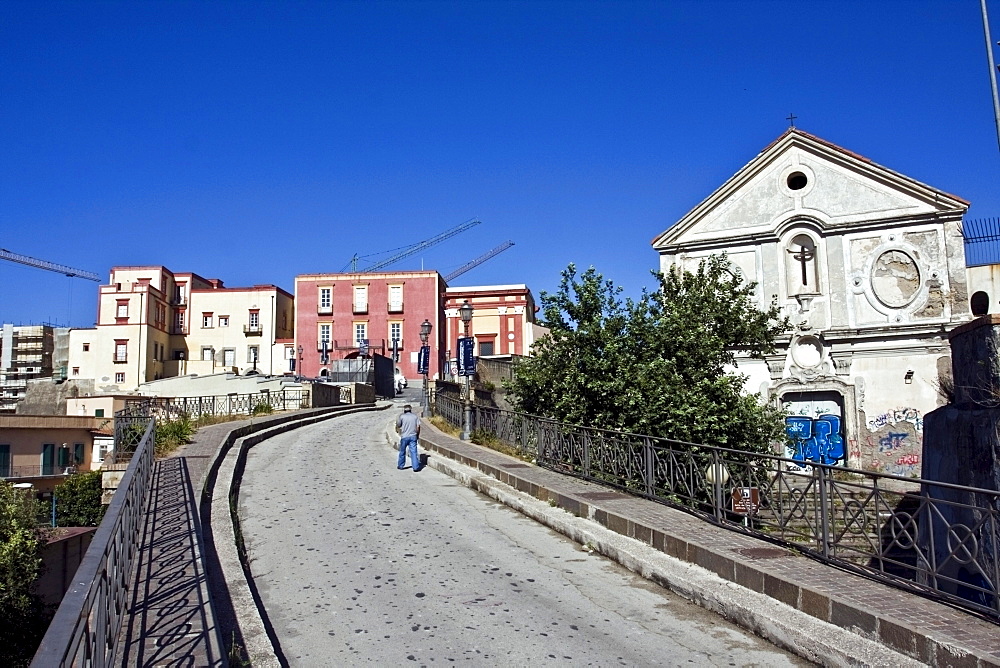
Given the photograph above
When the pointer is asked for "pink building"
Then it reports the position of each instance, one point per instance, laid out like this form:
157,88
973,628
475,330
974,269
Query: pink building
337,315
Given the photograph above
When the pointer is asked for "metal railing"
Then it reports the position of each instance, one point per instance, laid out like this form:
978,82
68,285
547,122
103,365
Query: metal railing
171,408
933,538
85,628
35,471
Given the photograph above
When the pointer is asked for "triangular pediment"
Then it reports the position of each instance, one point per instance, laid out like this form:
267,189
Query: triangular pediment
802,176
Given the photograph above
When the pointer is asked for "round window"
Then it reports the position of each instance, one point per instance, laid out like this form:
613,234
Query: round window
797,181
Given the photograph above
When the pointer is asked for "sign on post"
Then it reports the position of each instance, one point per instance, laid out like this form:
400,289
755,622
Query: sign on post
466,357
423,359
363,347
746,500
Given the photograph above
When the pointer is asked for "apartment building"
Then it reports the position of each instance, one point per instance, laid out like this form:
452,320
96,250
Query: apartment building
43,450
25,354
154,323
343,316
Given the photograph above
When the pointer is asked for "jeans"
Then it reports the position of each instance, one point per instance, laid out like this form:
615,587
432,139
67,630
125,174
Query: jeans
408,442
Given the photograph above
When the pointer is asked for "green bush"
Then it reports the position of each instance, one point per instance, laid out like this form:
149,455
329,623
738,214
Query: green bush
171,434
262,408
78,501
21,620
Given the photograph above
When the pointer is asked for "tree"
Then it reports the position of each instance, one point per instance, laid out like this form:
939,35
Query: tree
20,545
661,365
78,500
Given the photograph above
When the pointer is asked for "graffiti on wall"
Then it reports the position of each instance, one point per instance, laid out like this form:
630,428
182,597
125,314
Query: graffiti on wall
896,417
893,443
817,440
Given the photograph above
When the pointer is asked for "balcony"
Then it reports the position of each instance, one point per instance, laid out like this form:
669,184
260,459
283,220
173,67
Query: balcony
253,330
179,329
35,471
119,359
361,309
324,310
395,307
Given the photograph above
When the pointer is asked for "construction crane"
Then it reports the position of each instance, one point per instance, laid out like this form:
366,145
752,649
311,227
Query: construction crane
50,266
478,261
407,251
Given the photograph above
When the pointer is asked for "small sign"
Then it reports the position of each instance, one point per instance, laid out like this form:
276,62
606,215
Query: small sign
746,500
423,359
363,347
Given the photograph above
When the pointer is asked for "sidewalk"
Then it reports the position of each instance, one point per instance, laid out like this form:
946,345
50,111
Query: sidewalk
173,618
798,587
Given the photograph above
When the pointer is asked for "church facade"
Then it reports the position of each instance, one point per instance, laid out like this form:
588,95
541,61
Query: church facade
869,266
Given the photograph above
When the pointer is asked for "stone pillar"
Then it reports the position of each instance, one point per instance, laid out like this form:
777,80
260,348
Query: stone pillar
962,447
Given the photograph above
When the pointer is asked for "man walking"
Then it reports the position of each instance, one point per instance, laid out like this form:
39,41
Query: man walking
408,425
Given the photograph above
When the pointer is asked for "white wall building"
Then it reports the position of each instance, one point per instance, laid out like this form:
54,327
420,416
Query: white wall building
869,265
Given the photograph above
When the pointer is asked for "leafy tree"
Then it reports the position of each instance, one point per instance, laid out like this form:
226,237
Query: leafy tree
661,365
21,627
78,500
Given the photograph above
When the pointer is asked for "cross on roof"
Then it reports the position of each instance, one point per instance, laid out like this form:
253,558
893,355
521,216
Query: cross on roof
791,120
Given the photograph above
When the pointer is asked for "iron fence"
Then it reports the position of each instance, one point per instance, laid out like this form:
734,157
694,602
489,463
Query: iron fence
934,538
85,628
172,408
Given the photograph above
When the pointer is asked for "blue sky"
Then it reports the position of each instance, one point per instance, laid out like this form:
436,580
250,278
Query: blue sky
253,141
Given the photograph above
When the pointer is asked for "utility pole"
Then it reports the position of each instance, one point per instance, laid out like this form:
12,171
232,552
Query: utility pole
993,69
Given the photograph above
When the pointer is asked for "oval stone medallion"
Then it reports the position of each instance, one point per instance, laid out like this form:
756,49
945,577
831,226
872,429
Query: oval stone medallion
895,278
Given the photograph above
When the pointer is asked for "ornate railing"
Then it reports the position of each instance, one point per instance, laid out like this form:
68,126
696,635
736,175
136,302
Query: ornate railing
937,539
171,408
85,629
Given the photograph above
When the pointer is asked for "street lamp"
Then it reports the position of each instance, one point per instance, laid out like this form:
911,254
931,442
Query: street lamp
466,314
425,332
300,361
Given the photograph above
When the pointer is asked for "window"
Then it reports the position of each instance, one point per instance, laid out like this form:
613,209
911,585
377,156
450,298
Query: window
223,321
324,334
254,320
48,458
485,348
179,322
361,299
253,354
4,460
99,412
77,453
86,347
229,357
122,311
325,300
121,350
120,377
207,354
396,333
395,298
76,371
206,319
63,460
360,332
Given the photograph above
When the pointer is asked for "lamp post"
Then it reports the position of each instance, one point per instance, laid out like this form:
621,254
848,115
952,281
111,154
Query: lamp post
300,361
466,313
425,332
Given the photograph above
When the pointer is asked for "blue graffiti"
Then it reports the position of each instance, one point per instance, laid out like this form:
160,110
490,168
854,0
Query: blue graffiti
815,440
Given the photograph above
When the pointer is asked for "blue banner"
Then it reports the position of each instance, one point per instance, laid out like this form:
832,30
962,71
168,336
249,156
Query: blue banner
423,359
466,356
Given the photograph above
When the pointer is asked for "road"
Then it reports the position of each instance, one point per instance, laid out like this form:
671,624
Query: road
360,563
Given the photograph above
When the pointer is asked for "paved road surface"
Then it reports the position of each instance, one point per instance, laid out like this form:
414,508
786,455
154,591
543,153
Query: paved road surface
360,563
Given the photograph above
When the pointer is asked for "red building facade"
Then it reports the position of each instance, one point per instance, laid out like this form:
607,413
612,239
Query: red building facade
336,314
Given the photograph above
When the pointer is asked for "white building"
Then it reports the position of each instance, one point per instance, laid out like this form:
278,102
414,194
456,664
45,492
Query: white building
153,323
869,265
